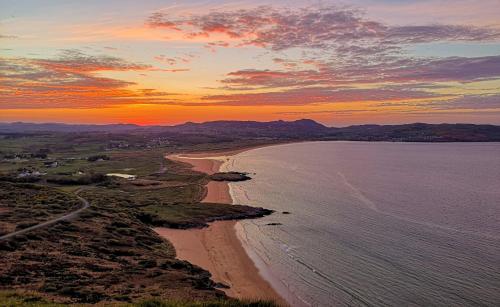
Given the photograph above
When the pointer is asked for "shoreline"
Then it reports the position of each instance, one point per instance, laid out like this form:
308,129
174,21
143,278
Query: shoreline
218,247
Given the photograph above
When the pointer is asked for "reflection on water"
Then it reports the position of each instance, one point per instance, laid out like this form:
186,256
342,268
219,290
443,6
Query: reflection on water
377,223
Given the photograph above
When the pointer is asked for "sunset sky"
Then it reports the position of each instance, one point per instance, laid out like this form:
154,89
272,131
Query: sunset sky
167,62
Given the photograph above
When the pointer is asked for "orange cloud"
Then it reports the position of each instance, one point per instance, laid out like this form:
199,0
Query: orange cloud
324,27
70,80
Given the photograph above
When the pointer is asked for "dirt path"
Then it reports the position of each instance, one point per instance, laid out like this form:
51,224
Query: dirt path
65,217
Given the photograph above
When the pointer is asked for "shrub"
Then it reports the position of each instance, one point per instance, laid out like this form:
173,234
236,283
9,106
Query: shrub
97,157
77,180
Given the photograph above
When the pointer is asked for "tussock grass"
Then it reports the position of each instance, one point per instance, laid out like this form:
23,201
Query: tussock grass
24,299
34,299
217,303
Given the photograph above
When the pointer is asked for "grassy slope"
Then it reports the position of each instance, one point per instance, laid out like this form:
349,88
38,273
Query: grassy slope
32,299
105,254
24,205
109,253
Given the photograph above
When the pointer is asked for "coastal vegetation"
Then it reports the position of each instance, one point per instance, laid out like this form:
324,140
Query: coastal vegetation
95,158
109,252
33,299
25,205
230,176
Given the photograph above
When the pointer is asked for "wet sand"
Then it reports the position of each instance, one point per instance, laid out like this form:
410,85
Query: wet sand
217,247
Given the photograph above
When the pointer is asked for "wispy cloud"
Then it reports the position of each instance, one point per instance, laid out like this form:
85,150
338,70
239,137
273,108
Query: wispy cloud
312,27
345,56
301,58
76,61
398,70
172,61
70,80
470,102
314,95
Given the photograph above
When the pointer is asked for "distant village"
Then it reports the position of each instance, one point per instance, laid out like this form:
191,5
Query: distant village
156,142
45,162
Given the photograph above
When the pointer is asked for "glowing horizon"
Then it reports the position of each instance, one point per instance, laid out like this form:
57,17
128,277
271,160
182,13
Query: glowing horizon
339,63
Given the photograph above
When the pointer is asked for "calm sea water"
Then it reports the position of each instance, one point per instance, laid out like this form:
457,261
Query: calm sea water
397,224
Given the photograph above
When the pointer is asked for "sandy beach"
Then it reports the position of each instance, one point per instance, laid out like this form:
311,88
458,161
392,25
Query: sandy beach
217,247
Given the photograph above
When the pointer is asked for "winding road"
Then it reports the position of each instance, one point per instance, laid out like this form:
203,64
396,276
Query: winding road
65,217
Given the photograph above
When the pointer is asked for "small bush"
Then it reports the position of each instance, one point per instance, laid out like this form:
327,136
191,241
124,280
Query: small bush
97,157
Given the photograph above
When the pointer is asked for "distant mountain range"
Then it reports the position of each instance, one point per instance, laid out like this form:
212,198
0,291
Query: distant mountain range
305,129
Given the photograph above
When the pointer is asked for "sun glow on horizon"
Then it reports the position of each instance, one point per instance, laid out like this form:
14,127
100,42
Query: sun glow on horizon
166,63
